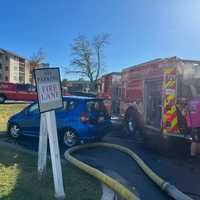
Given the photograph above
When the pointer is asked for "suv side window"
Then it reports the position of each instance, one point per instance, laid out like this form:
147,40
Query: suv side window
64,108
68,105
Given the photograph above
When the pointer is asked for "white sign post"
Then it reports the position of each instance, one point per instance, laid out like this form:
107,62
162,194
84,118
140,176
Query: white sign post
49,98
42,156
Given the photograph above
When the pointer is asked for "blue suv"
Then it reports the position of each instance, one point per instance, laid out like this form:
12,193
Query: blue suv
81,119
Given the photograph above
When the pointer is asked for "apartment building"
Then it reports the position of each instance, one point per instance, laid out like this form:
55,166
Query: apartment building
15,68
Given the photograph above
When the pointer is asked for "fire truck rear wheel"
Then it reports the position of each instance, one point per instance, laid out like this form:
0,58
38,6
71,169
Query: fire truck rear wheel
131,123
134,130
2,99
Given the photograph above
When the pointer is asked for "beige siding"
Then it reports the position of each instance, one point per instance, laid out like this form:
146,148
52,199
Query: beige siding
14,69
27,72
3,71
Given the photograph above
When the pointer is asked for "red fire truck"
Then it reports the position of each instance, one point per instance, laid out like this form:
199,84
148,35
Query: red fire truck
162,95
19,92
110,89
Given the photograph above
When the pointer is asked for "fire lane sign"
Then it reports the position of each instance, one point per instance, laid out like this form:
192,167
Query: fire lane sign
48,89
49,93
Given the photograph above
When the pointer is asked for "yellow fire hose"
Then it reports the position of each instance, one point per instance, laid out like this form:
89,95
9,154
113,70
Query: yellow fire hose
115,185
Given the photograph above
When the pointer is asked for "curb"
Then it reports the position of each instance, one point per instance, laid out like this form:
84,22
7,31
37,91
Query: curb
2,134
19,148
107,193
122,180
24,150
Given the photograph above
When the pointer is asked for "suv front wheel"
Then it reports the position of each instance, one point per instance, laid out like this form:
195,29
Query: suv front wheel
14,131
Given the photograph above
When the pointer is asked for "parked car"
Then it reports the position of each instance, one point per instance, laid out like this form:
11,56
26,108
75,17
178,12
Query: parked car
80,119
19,92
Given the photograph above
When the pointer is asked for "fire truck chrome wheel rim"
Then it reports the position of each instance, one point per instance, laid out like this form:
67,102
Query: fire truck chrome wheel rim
69,138
14,131
131,126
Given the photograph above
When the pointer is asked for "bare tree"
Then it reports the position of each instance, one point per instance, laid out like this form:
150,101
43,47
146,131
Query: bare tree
64,82
37,58
99,43
82,58
87,58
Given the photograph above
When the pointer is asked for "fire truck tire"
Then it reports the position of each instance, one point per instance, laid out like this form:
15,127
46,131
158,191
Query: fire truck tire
131,121
2,99
182,122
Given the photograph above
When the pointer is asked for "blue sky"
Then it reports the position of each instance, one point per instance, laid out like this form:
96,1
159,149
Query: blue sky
140,29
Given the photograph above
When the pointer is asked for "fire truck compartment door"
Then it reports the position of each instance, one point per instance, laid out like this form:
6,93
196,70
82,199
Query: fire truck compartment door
153,102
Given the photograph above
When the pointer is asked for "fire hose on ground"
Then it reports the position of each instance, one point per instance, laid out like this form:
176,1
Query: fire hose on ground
165,186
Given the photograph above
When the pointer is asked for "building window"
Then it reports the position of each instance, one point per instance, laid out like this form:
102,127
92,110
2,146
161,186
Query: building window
0,66
6,68
15,78
21,79
1,76
21,69
6,78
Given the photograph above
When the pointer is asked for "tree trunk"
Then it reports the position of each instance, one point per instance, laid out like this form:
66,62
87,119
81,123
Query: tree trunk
93,86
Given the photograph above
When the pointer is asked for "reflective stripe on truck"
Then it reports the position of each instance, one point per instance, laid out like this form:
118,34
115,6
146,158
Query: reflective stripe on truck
169,114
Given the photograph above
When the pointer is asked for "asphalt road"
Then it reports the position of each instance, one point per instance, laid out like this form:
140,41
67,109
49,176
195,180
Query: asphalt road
125,167
172,164
177,170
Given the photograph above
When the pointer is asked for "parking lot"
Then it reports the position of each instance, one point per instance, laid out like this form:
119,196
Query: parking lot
172,163
100,100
